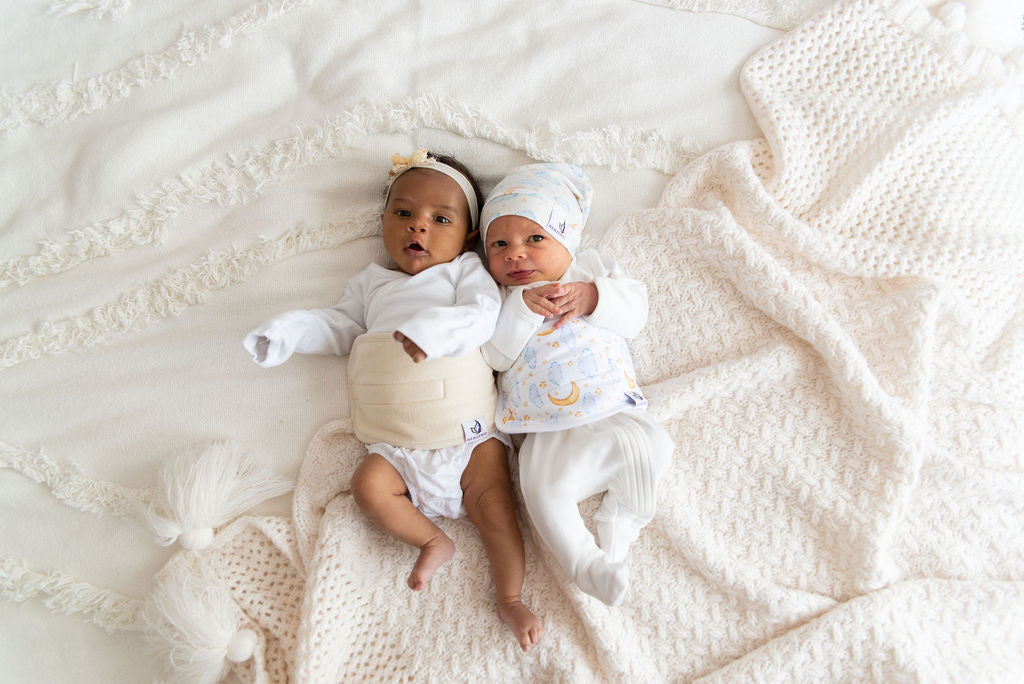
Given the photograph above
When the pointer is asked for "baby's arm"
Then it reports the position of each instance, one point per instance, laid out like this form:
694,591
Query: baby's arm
460,328
308,331
621,304
516,323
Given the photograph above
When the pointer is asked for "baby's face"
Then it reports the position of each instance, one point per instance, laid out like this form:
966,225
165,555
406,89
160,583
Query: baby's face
519,251
426,220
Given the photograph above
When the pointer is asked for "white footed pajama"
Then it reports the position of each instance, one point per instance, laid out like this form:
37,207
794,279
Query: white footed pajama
624,456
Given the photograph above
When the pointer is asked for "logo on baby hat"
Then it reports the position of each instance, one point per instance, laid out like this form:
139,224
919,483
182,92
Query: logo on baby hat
556,228
557,223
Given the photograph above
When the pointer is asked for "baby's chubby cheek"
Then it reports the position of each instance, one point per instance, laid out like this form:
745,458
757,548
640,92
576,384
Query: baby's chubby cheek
494,268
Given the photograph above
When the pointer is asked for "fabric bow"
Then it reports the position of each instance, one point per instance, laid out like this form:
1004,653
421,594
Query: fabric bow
399,164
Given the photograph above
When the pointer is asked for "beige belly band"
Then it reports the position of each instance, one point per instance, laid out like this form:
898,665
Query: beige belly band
416,405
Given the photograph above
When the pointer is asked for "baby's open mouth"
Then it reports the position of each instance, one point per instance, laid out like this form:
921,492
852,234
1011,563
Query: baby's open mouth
416,248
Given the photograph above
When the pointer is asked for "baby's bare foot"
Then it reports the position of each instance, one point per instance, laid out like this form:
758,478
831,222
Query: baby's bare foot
433,555
523,623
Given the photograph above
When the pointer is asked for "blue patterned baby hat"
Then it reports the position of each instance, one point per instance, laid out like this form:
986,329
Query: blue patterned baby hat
554,196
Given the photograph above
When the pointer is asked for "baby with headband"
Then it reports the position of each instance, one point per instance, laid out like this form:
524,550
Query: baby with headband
567,379
422,396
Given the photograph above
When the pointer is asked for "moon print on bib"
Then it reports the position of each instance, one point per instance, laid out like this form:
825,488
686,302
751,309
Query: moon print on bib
566,377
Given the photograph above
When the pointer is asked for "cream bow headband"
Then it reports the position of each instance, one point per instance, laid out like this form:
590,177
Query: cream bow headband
421,160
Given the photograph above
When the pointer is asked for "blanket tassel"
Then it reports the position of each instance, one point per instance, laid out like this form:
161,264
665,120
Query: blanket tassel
205,488
194,628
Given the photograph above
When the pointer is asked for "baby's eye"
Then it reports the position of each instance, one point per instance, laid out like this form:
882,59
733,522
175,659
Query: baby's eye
442,219
498,243
403,212
535,238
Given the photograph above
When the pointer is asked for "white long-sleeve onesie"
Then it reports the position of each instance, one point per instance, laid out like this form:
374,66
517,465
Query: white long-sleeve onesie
448,310
623,455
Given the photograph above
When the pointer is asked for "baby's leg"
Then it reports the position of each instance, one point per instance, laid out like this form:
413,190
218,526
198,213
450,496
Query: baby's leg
382,495
490,505
556,472
644,450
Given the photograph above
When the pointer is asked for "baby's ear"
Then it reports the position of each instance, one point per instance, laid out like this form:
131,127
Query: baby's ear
471,238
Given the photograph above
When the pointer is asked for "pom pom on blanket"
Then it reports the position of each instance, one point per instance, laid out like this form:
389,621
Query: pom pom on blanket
205,488
194,627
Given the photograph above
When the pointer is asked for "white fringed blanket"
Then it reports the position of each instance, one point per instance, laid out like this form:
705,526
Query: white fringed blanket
837,345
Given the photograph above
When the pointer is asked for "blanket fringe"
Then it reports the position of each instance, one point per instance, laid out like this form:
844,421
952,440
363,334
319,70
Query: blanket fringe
247,176
171,294
73,488
96,9
199,490
103,607
50,104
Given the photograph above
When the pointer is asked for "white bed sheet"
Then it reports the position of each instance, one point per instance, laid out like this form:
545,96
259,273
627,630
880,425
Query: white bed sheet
113,111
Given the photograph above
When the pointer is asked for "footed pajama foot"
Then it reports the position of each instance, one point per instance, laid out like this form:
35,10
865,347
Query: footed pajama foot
523,623
433,555
616,533
604,579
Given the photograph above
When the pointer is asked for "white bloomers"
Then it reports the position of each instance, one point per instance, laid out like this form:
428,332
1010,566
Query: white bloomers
433,476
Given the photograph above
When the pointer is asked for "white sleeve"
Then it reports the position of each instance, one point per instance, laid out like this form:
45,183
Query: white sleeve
516,324
465,325
309,331
622,301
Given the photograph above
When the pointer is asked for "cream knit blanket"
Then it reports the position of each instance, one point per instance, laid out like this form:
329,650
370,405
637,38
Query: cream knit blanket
836,344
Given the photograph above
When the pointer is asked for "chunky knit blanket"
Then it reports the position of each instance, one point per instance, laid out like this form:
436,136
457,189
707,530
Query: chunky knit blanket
836,343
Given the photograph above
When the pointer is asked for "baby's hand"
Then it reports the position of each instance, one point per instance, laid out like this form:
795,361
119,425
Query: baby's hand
568,300
410,347
538,301
573,300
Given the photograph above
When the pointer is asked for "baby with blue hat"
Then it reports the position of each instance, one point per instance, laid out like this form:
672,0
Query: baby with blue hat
566,374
